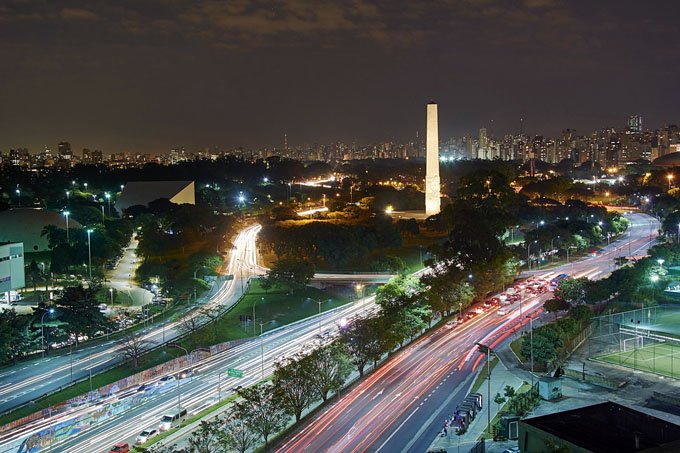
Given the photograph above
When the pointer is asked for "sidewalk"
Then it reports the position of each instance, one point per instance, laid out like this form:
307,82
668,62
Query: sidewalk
500,377
121,278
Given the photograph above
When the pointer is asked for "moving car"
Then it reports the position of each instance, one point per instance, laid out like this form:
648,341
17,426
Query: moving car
145,435
172,420
120,447
451,324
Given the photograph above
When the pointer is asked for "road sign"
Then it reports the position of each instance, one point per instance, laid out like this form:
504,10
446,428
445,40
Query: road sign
233,372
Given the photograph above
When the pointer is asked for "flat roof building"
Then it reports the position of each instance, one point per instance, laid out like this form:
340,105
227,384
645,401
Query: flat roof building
11,268
601,428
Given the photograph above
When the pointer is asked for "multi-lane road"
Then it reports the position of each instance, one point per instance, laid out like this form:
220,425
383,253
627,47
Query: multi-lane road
32,379
414,377
401,406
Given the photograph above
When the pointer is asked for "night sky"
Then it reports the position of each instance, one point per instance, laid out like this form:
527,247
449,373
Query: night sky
151,75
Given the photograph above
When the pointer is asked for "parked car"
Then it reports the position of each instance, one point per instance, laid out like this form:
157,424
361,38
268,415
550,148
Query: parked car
451,324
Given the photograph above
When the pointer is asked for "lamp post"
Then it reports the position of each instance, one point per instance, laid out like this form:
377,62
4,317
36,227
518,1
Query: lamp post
678,239
262,345
111,293
68,197
488,383
179,393
255,302
89,252
108,199
42,326
18,191
66,214
654,278
219,386
670,179
531,342
360,292
552,248
319,302
528,257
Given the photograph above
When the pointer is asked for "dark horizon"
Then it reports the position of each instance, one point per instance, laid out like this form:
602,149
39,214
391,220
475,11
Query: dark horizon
149,77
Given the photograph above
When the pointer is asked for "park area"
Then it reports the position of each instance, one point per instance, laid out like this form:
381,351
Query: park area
646,339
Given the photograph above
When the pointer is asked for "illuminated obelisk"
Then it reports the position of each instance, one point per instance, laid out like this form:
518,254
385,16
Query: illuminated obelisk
432,188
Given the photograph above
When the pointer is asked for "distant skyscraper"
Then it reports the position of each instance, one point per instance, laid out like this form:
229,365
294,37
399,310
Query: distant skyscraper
64,151
483,144
432,183
635,124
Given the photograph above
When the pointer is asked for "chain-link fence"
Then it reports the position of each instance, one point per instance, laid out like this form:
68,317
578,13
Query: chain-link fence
646,339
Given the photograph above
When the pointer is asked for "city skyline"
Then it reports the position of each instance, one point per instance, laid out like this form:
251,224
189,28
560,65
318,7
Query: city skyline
146,78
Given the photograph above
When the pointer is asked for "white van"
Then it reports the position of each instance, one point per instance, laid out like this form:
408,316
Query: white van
172,420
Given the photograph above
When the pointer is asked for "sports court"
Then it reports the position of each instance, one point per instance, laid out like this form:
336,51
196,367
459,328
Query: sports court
647,339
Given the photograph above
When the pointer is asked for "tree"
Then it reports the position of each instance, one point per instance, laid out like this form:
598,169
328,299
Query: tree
330,366
13,335
78,306
291,272
581,314
207,439
572,290
499,399
555,305
509,391
191,322
293,385
133,346
261,409
237,434
363,342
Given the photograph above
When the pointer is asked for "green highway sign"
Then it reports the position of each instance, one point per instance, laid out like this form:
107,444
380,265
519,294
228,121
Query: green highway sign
233,372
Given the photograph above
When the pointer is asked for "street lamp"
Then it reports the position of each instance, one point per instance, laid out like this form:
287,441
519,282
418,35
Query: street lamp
654,278
179,394
254,303
108,199
670,179
18,191
488,377
66,214
89,252
42,326
68,197
528,257
262,345
661,261
552,247
319,302
111,293
531,341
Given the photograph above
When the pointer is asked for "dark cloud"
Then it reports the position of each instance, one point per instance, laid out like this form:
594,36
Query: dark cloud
150,75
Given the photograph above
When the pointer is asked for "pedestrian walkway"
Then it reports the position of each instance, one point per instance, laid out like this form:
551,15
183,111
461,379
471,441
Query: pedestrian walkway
451,442
121,278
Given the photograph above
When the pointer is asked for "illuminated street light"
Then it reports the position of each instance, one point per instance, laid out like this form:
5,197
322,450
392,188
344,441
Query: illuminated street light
108,199
42,325
66,214
89,252
670,179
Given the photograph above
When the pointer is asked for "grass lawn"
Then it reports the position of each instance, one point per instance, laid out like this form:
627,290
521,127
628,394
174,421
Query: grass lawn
481,377
277,306
516,346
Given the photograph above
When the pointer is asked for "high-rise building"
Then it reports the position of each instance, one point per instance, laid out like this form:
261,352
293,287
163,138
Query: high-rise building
634,124
432,183
483,144
64,151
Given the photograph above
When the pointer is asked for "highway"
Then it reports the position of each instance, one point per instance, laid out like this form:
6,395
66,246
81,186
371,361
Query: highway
125,417
33,378
401,406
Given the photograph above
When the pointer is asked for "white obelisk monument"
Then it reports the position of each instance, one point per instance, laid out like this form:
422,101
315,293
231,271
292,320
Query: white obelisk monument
432,186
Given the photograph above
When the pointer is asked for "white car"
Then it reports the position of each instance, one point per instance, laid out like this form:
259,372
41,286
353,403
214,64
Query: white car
451,324
502,312
146,435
